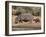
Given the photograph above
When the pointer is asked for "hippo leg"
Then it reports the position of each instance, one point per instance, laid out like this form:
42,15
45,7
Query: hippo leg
20,21
16,22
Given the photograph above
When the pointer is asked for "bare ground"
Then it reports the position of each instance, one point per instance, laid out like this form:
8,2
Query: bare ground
25,25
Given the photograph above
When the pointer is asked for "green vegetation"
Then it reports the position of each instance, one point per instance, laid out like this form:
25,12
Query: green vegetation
36,11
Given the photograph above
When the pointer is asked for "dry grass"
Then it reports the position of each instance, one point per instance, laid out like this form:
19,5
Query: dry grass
26,25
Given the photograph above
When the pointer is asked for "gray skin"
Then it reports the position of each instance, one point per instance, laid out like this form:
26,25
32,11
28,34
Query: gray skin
24,17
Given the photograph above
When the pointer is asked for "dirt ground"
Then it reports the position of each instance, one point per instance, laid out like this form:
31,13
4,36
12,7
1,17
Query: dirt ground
26,25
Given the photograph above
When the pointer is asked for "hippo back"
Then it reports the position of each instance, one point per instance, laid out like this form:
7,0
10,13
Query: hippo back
25,17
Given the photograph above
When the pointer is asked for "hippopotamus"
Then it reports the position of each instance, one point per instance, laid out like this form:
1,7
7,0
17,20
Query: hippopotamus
24,17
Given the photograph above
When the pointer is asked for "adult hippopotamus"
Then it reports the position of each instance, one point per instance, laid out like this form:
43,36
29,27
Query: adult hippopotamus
24,17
